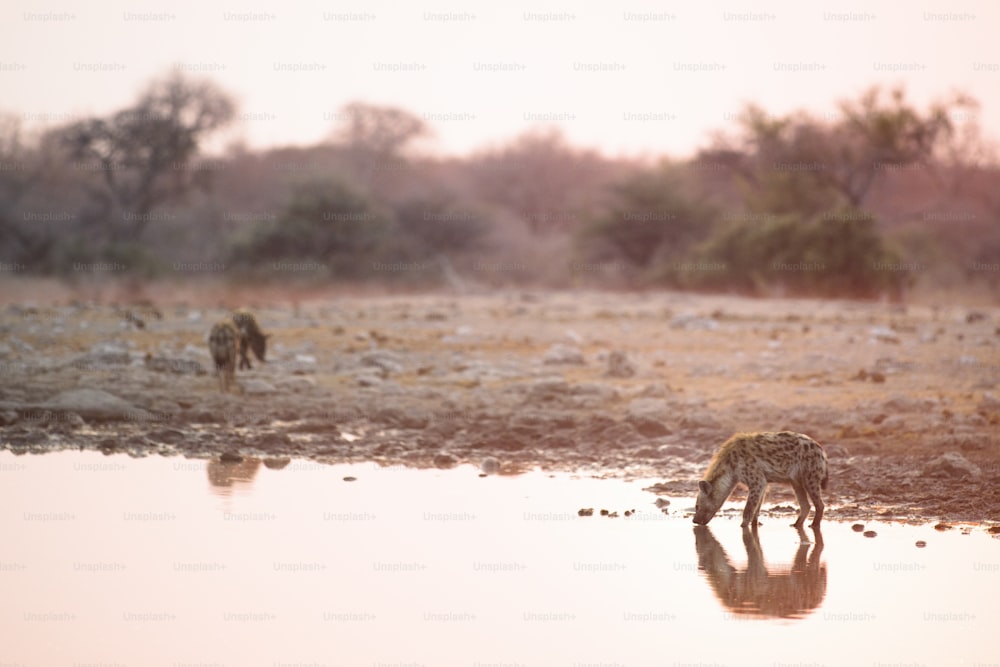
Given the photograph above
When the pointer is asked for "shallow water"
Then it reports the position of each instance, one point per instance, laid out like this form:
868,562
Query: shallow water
108,560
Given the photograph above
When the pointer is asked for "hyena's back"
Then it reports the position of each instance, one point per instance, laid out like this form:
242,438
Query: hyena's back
222,343
783,456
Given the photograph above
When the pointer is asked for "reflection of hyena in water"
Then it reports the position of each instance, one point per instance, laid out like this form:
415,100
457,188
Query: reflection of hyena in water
222,345
757,591
250,336
756,459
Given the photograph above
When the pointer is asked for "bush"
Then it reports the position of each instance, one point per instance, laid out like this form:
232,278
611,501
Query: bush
326,223
650,222
439,225
836,254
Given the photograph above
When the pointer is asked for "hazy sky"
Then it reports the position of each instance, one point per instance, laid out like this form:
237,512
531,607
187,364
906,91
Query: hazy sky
634,78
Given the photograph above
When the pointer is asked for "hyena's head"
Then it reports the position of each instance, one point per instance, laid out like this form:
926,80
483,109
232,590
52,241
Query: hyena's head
258,344
710,499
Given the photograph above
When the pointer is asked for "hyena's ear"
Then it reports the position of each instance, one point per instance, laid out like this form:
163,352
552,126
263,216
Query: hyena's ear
705,487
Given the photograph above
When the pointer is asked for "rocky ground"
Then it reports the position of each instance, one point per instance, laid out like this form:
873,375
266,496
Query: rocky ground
905,400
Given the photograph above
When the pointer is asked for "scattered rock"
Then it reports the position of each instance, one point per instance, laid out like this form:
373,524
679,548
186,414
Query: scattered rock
884,335
921,544
857,528
585,511
619,366
647,407
95,405
102,359
256,386
491,466
445,460
231,456
952,464
408,419
836,451
648,426
298,383
557,441
662,502
989,402
386,361
272,439
170,436
73,420
692,322
942,527
653,390
350,478
367,379
901,403
175,365
561,354
869,533
277,463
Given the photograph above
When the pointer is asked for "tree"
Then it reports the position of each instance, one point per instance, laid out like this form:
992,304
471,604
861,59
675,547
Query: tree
325,222
376,136
145,154
649,220
439,225
543,180
798,163
21,168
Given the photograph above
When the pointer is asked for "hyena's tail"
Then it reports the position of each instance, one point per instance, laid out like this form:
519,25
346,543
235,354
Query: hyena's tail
825,480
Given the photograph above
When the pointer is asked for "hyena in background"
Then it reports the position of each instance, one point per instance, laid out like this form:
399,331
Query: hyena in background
756,459
222,343
250,336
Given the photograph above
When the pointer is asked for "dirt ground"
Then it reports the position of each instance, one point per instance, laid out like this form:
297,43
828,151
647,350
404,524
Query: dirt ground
904,399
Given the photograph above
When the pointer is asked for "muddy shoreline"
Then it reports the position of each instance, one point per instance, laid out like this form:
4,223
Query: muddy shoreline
905,400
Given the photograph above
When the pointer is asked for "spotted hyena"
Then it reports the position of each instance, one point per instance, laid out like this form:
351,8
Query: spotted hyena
222,342
250,336
756,459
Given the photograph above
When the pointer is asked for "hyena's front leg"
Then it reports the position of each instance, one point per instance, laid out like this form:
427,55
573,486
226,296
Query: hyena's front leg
757,486
800,495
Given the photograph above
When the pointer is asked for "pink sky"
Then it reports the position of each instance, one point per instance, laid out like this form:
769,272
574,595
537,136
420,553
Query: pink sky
640,78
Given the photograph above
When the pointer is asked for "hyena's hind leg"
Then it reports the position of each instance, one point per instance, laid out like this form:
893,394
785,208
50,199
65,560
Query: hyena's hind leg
803,498
812,487
244,344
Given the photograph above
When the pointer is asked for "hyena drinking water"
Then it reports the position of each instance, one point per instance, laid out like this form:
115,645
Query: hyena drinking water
250,335
756,459
222,343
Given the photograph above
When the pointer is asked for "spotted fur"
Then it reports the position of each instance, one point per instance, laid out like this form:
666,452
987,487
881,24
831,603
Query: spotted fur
250,336
755,459
222,343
